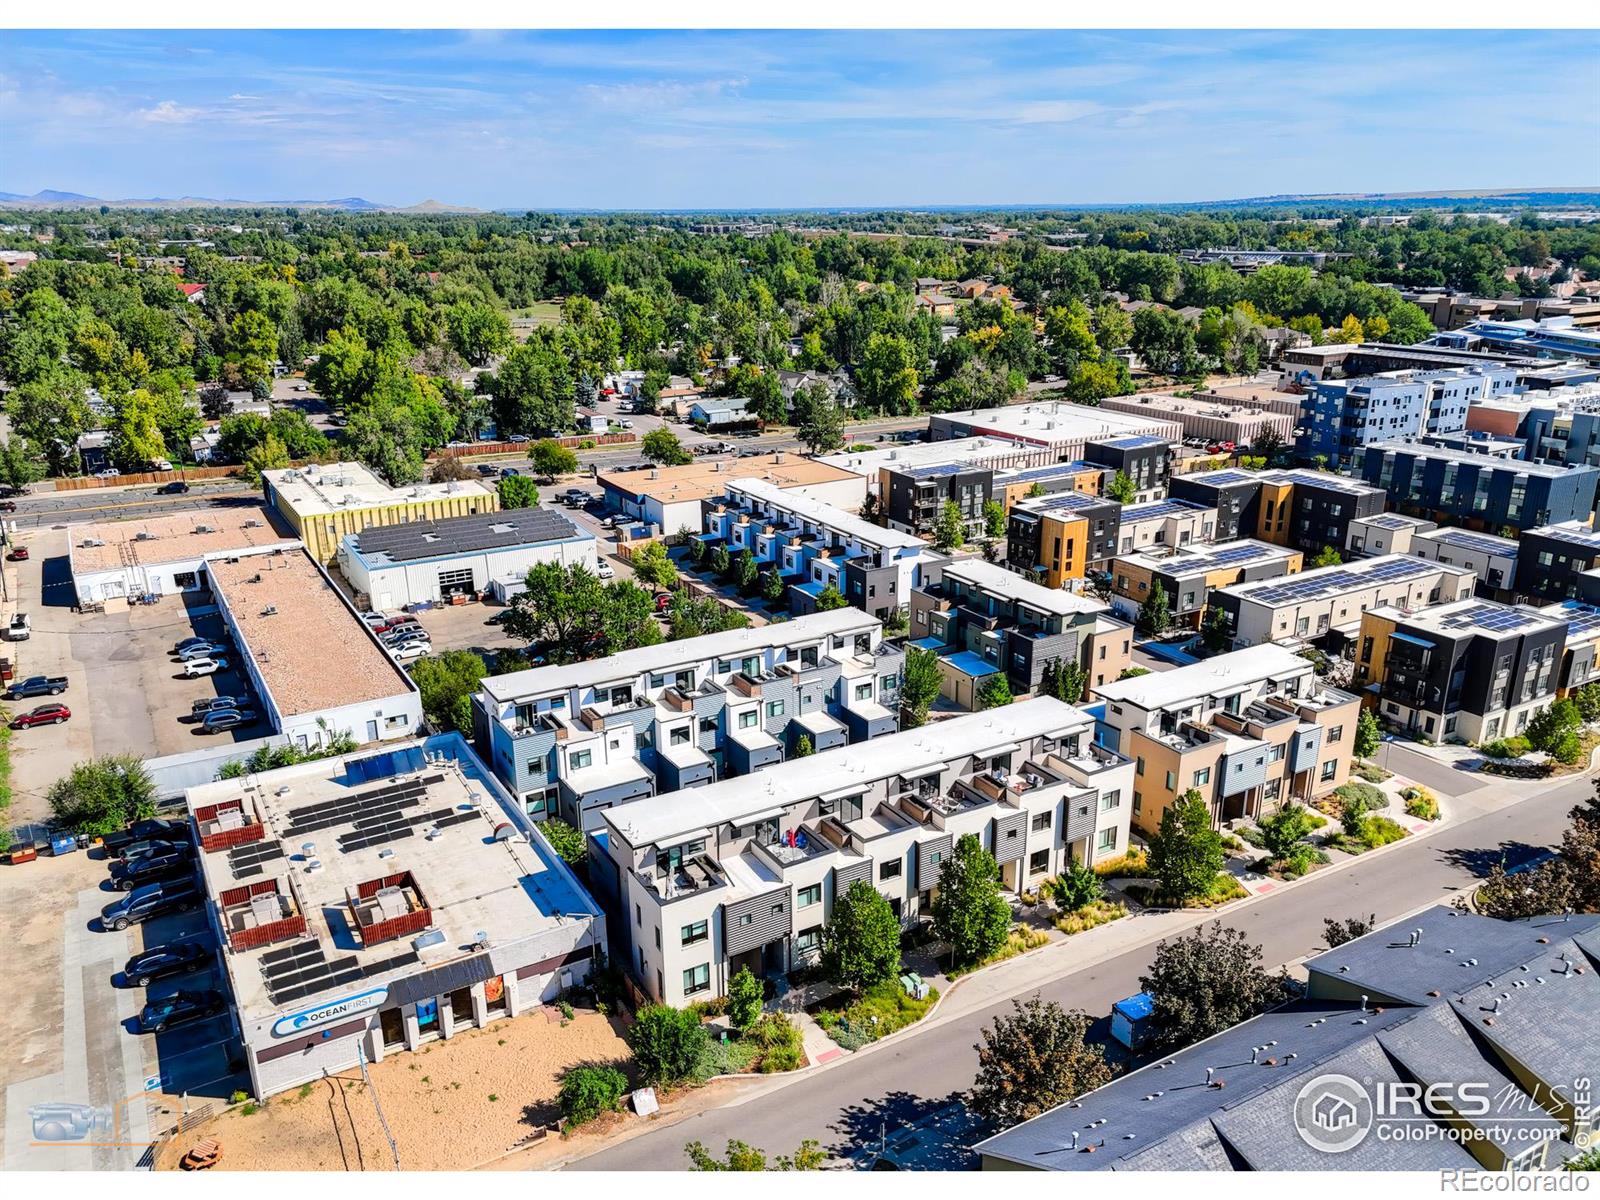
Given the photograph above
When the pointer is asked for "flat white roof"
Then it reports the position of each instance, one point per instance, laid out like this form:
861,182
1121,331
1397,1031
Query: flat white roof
1060,421
336,487
1214,676
1194,559
923,454
666,656
841,771
825,514
995,578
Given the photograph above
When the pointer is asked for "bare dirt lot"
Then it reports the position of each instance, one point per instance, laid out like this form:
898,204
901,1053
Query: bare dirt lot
451,1105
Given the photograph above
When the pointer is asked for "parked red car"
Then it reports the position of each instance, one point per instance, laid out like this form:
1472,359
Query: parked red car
45,714
18,554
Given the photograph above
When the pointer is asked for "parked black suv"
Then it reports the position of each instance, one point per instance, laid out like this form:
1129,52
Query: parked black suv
166,831
151,900
127,874
158,962
149,846
179,1009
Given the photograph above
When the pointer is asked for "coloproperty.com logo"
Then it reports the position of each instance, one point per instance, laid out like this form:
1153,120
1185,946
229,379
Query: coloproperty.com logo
1335,1113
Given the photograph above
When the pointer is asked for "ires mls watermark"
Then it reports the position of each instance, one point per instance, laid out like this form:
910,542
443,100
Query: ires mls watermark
1336,1113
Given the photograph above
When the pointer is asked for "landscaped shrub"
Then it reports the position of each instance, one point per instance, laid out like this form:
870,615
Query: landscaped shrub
777,1042
1132,865
1380,831
1568,749
1098,912
880,1011
667,1043
586,1092
1420,802
1363,794
1511,747
1371,772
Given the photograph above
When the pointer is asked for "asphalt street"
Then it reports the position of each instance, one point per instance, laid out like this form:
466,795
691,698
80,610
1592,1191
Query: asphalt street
846,1107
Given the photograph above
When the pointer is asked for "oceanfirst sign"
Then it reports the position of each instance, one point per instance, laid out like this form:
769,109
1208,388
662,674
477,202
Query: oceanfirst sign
323,1014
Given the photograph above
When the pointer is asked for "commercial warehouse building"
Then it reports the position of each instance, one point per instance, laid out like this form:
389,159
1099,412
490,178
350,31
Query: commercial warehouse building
372,904
1204,417
746,872
165,556
669,497
324,504
1061,427
996,453
573,740
1330,600
315,666
394,566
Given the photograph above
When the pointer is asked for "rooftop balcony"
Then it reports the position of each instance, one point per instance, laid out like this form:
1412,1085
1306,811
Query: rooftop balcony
693,876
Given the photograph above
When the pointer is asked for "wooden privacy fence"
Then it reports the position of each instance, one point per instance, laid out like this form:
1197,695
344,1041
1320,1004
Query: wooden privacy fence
78,483
571,443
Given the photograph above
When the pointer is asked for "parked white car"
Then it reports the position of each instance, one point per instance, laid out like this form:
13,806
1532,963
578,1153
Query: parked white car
20,629
409,650
605,570
204,666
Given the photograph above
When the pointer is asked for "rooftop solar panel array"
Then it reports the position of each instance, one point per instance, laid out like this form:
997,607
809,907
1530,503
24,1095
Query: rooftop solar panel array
353,809
1493,618
1160,510
939,470
1573,535
465,535
1391,521
1322,479
302,969
1053,471
1069,500
1132,441
1232,555
1330,581
1477,542
1222,478
1580,618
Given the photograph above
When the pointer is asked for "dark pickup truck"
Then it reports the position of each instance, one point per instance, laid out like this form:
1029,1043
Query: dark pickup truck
153,829
37,685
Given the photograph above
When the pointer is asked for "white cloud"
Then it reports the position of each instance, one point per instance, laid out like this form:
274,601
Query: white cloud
168,112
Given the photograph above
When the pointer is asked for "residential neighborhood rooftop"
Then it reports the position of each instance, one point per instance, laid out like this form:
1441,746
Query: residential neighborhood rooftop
417,541
830,516
1210,677
997,579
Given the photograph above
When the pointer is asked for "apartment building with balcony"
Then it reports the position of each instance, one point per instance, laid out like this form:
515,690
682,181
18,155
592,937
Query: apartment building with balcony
1061,538
1145,458
1251,731
574,740
1190,574
1472,671
746,872
1164,523
1559,558
1303,509
813,544
1339,418
1328,602
984,620
913,498
1477,491
1013,487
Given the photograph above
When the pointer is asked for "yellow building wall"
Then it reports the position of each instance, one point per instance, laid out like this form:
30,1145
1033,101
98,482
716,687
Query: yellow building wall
1275,513
1069,562
322,532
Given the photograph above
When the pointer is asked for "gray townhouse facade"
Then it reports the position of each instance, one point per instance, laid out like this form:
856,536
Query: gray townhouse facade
746,872
1476,491
572,741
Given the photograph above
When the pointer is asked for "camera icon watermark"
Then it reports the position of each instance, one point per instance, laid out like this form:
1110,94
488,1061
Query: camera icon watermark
1333,1113
63,1121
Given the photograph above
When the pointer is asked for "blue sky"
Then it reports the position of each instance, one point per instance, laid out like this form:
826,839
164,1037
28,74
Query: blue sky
617,119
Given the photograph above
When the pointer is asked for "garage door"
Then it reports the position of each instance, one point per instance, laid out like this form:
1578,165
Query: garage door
451,582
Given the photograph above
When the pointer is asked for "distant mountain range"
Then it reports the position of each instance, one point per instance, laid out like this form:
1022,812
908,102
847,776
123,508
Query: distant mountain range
55,199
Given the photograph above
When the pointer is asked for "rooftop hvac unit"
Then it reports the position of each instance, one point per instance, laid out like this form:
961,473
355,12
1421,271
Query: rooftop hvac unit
205,528
232,819
391,903
142,536
270,610
265,908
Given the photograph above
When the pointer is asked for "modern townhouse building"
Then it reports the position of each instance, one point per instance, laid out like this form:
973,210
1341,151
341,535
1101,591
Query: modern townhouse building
1250,730
1011,487
1580,657
1558,557
1327,602
1493,559
1188,575
1307,510
912,499
1164,523
1212,418
813,544
1476,491
1065,429
1061,538
983,620
1144,458
998,454
1390,1009
1339,418
746,872
1384,533
574,740
1471,671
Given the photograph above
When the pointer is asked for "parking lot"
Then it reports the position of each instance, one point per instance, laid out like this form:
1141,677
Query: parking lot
69,1018
124,689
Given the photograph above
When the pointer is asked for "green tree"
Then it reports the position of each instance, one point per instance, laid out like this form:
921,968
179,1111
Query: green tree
51,412
1035,1058
565,840
476,331
993,692
1337,933
1076,888
1064,679
887,379
950,530
550,458
741,1156
517,491
20,465
744,999
253,344
830,598
818,419
1154,614
968,910
136,441
667,1044
662,446
919,686
773,586
746,570
1269,444
1549,725
1368,734
102,795
1216,631
994,519
447,683
1122,488
689,618
588,1091
803,747
560,606
653,565
721,560
1093,382
270,454
1285,835
1186,852
1206,982
533,389
1327,557
861,945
